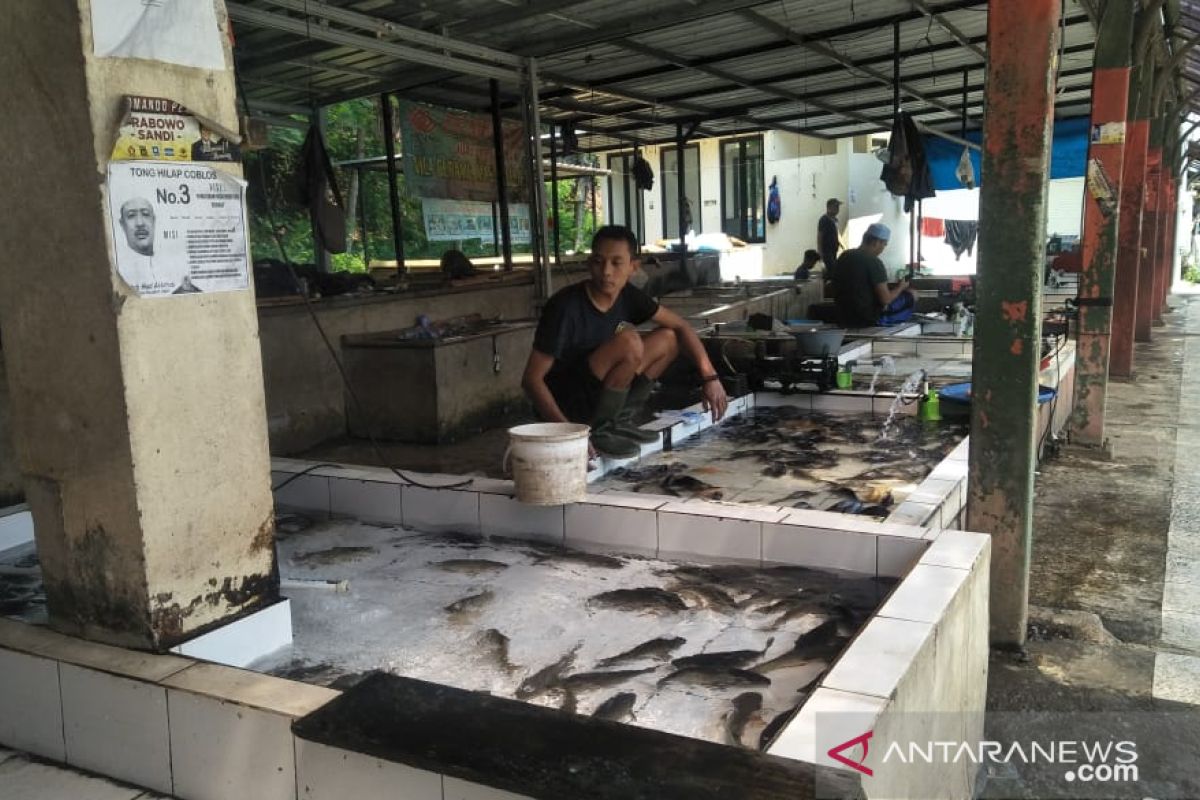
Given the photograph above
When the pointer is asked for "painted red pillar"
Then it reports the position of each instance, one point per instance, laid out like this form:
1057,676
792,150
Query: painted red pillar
1125,293
1148,266
1101,221
1022,45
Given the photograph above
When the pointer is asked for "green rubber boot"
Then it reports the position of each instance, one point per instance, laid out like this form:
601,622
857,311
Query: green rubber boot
605,438
639,393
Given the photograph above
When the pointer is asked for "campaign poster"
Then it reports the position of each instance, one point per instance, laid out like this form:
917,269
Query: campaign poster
456,220
178,229
157,129
181,32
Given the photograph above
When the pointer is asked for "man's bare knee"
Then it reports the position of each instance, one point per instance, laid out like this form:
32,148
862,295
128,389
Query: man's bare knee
630,347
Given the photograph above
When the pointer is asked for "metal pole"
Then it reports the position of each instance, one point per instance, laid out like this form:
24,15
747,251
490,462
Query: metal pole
895,68
505,233
389,143
537,202
681,196
966,85
1022,42
595,207
1129,252
1101,221
362,217
554,215
1144,315
320,254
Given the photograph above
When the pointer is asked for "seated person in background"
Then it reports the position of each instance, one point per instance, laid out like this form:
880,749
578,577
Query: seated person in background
589,364
861,289
811,257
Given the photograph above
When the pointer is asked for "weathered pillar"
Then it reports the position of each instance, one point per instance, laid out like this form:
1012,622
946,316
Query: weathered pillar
1129,242
1165,239
1101,221
1022,42
1144,314
139,419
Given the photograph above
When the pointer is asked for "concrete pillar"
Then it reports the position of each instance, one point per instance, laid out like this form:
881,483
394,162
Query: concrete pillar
1022,44
1144,313
1166,240
139,421
1101,220
1129,241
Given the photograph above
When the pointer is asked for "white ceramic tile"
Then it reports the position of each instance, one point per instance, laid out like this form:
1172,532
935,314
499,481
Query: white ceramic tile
591,526
16,526
879,657
22,779
30,705
617,497
962,452
38,640
934,491
841,403
828,715
252,689
958,549
116,726
708,538
243,641
309,492
727,510
913,512
682,432
897,556
650,448
948,470
924,593
1177,678
329,773
882,406
767,399
492,486
221,750
371,501
457,789
436,510
1181,629
504,516
817,547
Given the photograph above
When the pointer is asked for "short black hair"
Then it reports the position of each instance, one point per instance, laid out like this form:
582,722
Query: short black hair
616,233
812,255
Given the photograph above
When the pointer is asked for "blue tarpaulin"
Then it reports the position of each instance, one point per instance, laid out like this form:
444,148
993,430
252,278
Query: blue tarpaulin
1068,155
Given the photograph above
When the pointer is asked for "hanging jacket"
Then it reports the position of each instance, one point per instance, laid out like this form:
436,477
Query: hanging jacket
317,188
906,173
643,175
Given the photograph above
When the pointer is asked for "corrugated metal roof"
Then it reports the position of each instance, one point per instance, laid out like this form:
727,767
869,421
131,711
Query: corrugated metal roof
622,68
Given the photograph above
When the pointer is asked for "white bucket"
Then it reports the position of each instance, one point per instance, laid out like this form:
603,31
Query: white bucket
549,462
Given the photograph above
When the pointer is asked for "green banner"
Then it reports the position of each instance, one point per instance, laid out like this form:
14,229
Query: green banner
451,154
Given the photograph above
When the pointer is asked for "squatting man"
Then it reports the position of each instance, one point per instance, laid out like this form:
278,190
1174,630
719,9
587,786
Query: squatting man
589,363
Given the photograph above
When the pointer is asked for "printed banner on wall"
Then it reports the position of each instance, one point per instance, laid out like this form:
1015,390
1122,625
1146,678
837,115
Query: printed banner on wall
175,31
451,154
178,228
158,129
457,220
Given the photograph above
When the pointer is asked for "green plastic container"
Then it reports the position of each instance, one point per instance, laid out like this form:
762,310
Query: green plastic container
845,379
930,409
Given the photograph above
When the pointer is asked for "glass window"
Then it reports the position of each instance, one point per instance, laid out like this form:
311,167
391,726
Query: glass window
670,189
743,189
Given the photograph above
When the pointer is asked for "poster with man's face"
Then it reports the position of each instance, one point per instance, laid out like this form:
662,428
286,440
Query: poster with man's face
177,228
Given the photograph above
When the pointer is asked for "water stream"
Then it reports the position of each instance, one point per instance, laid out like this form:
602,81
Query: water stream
909,392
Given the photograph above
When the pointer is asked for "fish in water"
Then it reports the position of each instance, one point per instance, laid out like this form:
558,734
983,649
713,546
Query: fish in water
585,681
554,555
658,649
332,555
716,678
547,677
701,596
494,647
470,604
617,707
745,706
678,485
721,659
469,566
776,725
820,643
646,600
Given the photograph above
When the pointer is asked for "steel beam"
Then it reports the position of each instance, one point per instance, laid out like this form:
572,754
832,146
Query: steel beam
508,16
949,28
1101,221
1022,48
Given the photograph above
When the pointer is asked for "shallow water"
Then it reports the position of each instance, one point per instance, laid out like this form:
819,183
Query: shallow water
792,458
570,630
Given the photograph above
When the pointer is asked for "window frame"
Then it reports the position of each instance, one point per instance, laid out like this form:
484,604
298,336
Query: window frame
697,223
741,193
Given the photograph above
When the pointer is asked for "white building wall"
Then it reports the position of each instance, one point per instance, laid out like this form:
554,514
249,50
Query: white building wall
809,172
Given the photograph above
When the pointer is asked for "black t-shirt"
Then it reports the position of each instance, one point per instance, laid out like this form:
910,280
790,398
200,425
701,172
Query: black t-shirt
827,240
854,280
572,327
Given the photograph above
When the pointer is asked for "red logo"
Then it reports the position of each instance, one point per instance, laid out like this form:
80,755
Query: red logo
836,753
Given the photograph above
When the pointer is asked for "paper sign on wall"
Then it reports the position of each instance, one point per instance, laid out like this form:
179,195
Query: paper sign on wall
1108,133
178,228
157,129
175,31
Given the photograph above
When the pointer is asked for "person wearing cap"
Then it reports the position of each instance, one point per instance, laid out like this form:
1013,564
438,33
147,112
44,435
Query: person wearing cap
828,243
864,298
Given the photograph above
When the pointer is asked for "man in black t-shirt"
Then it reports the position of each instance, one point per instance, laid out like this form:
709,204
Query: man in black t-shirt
589,363
861,286
828,243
